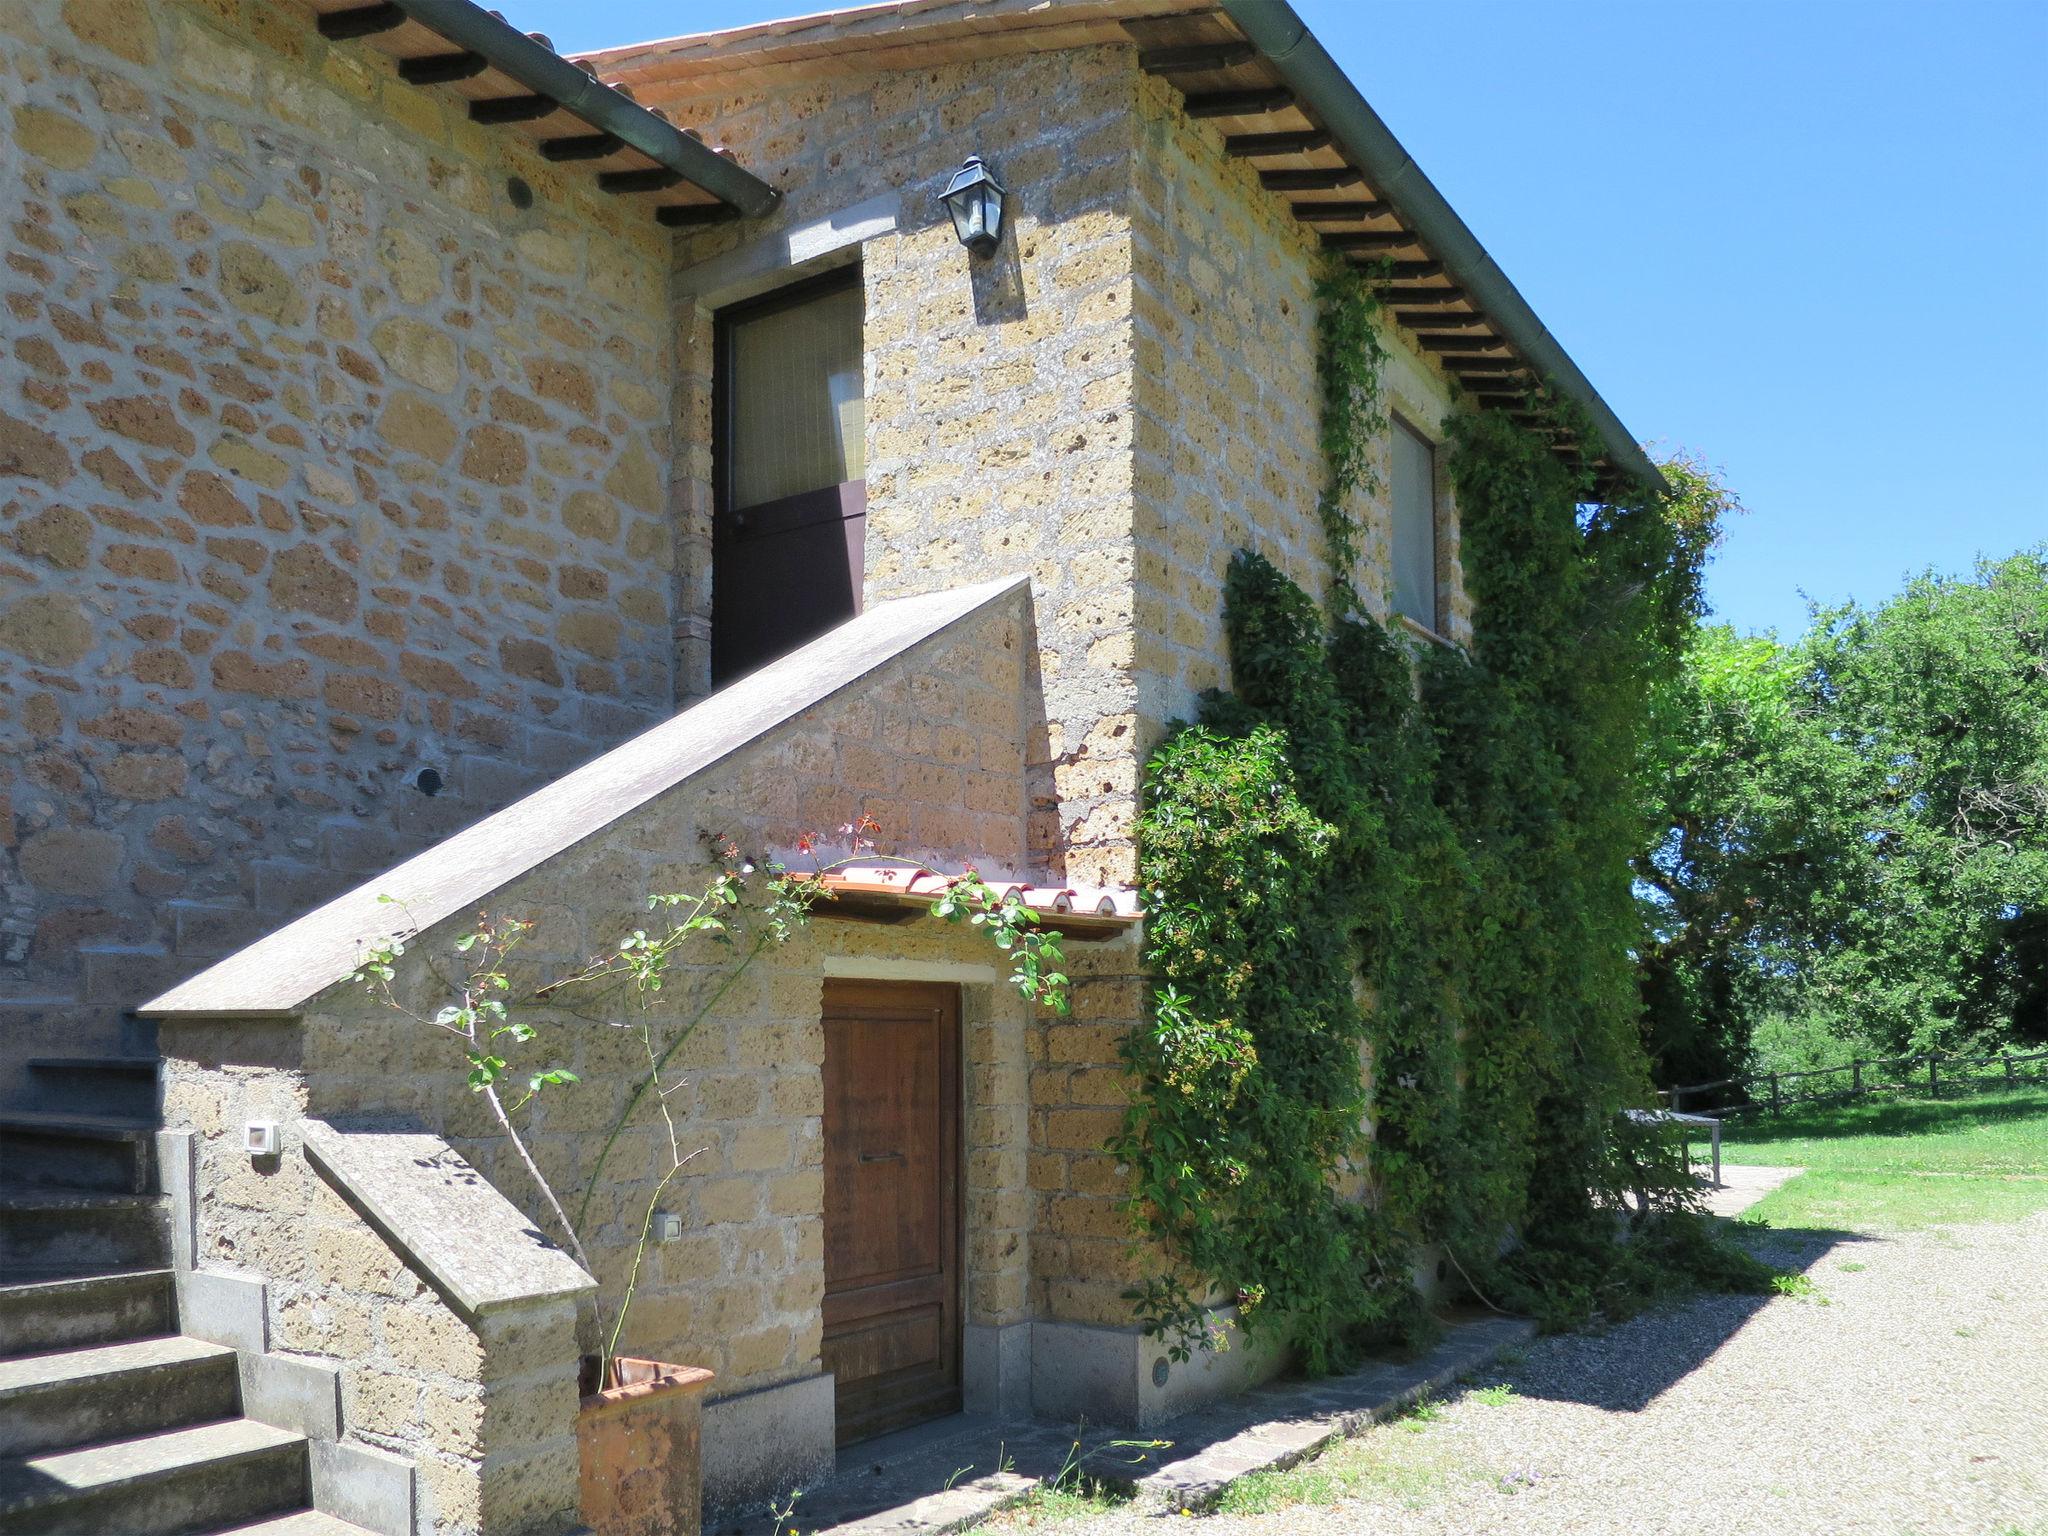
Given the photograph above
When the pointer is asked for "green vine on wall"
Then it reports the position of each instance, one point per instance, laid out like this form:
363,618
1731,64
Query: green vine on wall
1392,887
1349,361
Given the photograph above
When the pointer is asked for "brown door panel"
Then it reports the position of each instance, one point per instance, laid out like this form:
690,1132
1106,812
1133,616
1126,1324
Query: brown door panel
886,1403
906,1339
877,1300
892,1203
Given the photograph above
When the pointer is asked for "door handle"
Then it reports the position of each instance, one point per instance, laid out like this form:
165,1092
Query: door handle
881,1157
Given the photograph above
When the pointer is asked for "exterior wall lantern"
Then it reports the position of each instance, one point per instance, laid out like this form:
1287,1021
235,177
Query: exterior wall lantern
975,200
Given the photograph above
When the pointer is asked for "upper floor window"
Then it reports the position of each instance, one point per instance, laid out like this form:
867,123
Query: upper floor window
790,429
1414,498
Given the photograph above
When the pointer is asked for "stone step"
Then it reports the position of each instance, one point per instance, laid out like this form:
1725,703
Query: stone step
183,1480
282,889
138,1035
358,848
101,1085
70,1027
124,975
55,1149
63,1231
206,930
44,1025
304,1522
48,1314
113,1392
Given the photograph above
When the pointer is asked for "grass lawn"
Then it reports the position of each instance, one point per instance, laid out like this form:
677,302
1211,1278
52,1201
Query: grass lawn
1902,1163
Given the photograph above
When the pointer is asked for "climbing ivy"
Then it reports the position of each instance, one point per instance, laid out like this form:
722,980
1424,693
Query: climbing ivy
1349,359
1390,916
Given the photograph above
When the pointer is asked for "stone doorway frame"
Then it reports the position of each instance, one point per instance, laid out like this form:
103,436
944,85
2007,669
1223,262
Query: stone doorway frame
995,1254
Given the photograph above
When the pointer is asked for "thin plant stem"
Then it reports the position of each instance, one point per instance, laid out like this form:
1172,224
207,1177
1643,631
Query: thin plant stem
676,1162
547,1193
640,1088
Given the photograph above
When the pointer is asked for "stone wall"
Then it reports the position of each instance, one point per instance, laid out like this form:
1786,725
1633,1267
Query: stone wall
480,1402
321,465
1083,1255
998,392
1228,410
923,748
1001,400
1119,400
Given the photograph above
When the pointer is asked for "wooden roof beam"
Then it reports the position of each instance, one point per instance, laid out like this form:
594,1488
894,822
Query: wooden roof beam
694,215
361,21
441,68
1250,145
1340,213
1370,242
1239,103
1398,298
1318,180
1465,343
1198,59
1425,320
581,146
1405,271
512,109
655,179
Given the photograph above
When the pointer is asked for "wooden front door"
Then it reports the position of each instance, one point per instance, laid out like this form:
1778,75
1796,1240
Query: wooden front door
892,1203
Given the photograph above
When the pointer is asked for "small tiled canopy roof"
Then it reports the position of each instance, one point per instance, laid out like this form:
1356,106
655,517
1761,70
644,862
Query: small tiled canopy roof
1252,68
517,82
897,892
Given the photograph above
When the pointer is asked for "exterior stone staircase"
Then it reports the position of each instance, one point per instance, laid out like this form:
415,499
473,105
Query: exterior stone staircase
78,1012
112,1423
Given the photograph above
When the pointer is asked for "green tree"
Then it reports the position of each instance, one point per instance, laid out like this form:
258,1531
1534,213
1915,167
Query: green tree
1851,830
1942,693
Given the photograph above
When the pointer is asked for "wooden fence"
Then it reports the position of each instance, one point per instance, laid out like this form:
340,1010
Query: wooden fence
1930,1074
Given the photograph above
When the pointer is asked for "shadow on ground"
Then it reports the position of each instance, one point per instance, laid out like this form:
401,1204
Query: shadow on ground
1626,1367
1880,1117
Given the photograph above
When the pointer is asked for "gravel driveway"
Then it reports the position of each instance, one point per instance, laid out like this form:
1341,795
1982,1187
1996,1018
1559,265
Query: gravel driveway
1907,1394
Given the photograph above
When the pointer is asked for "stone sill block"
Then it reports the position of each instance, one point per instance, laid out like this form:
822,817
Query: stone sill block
1276,1426
476,1249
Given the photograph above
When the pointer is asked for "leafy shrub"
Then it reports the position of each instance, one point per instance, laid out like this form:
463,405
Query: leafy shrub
1391,922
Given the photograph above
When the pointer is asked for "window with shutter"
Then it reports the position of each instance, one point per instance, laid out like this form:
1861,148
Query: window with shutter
1414,497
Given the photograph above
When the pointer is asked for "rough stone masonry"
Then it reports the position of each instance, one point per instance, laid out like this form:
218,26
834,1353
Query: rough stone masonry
322,467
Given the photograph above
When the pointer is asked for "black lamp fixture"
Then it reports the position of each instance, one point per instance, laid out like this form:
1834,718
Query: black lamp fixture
975,200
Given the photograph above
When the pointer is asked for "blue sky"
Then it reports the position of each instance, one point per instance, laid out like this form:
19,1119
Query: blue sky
1804,239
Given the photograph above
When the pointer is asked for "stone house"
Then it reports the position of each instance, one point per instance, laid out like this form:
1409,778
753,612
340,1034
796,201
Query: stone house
427,471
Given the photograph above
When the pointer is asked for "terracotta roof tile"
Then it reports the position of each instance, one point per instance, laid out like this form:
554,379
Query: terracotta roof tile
915,885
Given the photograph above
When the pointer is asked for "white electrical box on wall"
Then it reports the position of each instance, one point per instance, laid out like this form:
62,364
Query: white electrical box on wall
259,1138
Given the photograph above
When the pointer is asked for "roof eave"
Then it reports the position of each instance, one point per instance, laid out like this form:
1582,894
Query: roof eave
1284,39
547,74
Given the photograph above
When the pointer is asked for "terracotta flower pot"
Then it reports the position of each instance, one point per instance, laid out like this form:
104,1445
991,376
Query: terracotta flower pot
642,1464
